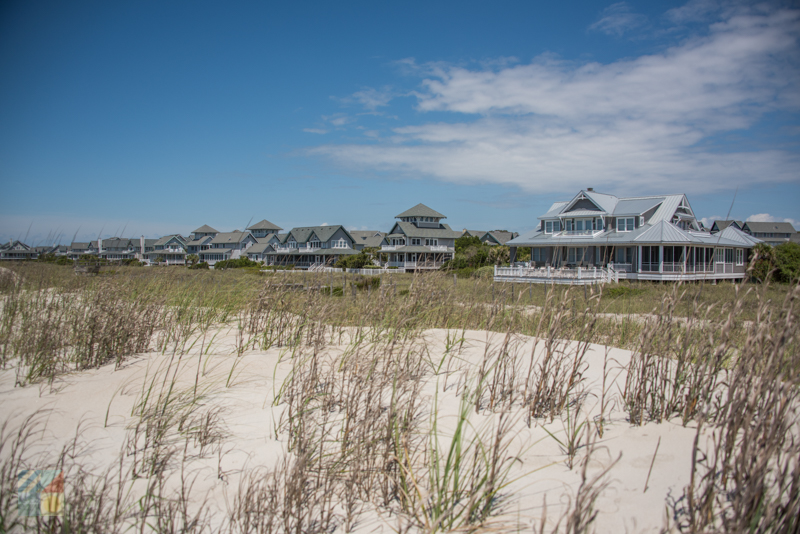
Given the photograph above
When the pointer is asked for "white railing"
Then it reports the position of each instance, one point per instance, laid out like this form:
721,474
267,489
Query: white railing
579,275
622,267
390,247
368,271
438,248
579,233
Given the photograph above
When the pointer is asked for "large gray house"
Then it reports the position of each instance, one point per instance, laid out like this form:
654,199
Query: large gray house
594,236
309,247
419,240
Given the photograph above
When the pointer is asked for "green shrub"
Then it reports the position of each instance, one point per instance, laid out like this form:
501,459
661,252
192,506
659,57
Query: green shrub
787,259
623,291
484,272
238,263
778,264
361,260
201,265
367,281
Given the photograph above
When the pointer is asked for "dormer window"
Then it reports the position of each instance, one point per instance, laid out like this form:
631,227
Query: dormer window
625,224
552,226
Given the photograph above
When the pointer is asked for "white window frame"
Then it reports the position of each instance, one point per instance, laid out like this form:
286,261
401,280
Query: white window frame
548,227
416,241
624,226
739,256
431,242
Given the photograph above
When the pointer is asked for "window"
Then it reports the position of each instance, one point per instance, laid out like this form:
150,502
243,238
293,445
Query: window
568,224
625,224
728,255
548,227
575,255
598,224
416,241
719,255
539,254
739,256
315,244
579,225
431,242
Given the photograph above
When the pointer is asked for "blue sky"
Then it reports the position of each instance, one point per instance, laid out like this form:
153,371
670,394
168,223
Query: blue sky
151,118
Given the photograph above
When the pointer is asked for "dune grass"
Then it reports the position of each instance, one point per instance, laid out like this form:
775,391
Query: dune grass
360,435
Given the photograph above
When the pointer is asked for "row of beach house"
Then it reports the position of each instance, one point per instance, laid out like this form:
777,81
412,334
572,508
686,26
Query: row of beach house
590,237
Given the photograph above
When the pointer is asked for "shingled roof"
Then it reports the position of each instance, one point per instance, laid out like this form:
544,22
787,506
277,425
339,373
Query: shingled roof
264,225
420,210
205,229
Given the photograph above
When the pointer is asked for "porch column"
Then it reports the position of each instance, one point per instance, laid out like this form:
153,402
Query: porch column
513,253
660,258
684,258
639,259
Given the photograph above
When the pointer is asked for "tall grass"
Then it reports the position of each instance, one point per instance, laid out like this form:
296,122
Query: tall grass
362,434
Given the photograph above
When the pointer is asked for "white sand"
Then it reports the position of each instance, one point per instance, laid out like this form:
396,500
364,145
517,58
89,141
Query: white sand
101,401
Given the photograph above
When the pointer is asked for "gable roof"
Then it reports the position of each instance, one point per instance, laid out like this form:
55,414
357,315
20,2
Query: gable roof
167,238
368,238
664,232
420,210
473,233
264,225
259,248
323,233
636,206
734,234
721,225
229,237
411,230
781,227
502,237
205,229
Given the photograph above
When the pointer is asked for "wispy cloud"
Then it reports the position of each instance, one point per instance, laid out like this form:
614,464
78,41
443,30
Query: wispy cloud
315,130
372,98
693,11
617,19
338,119
639,124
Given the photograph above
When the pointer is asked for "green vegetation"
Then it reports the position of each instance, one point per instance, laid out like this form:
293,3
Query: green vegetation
471,253
361,260
238,263
777,264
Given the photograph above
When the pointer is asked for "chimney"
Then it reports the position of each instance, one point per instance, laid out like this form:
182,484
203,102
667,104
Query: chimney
590,188
99,245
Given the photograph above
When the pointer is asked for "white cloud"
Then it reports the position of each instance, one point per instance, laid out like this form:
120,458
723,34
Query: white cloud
708,221
372,98
766,217
338,119
631,125
617,19
315,130
695,10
